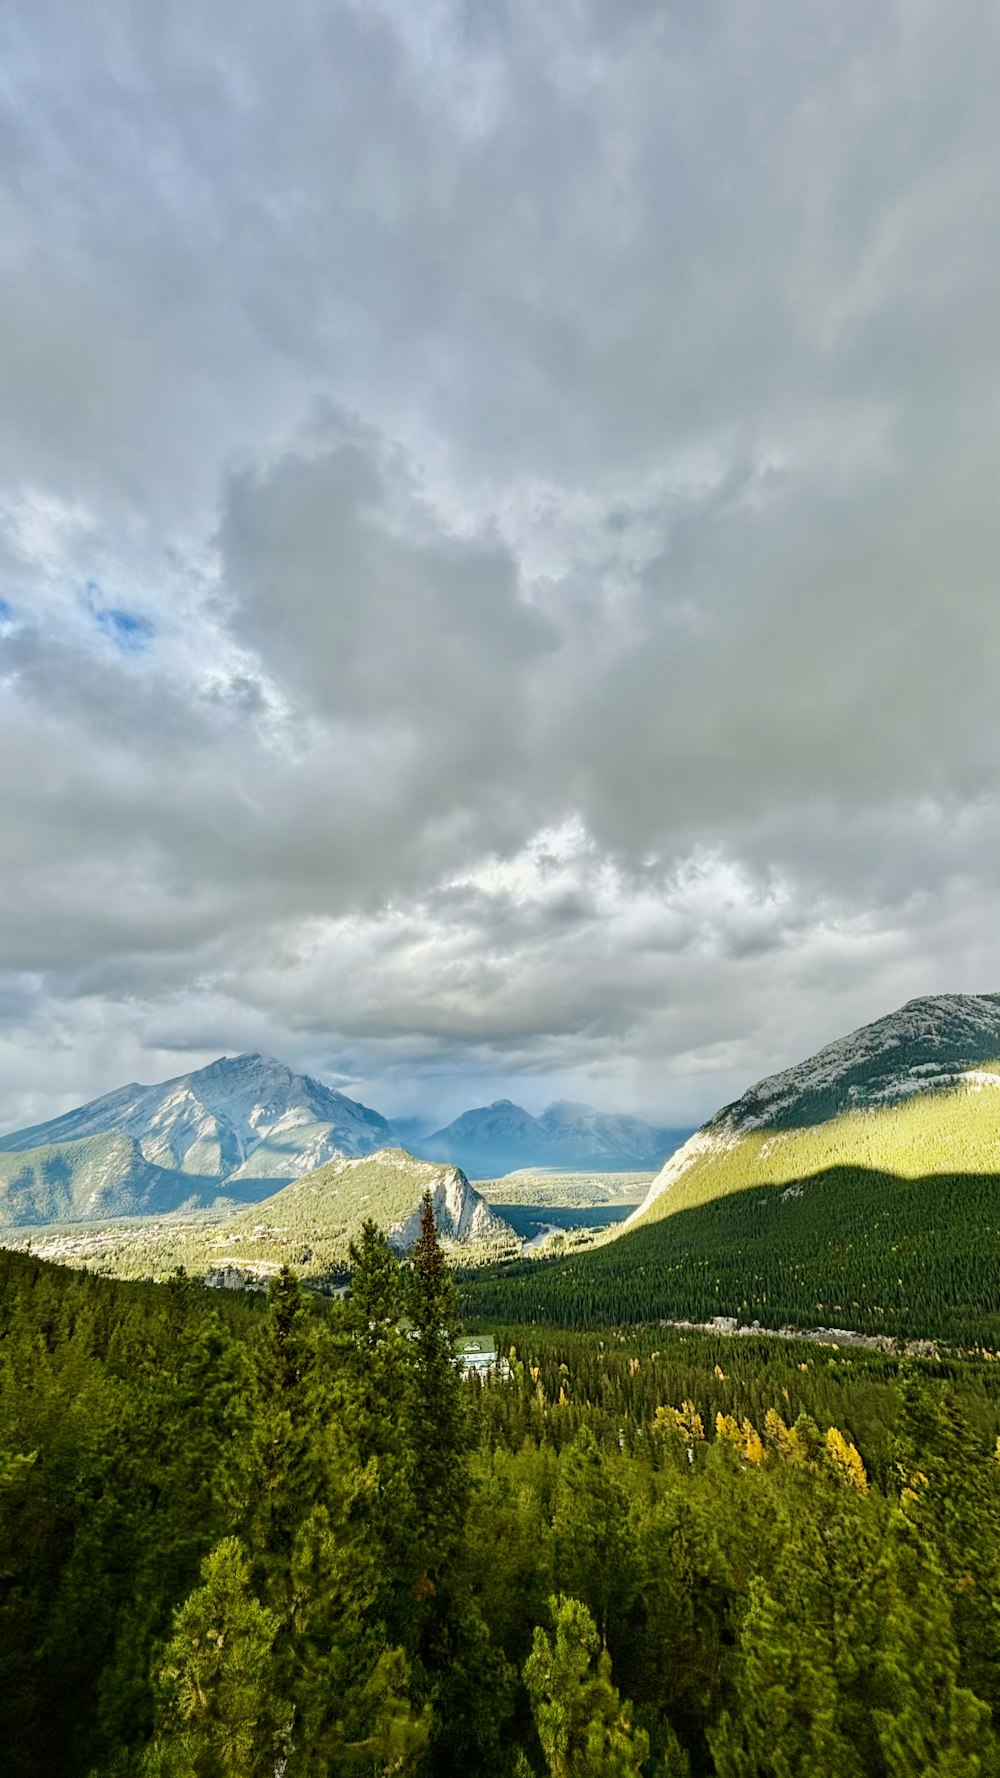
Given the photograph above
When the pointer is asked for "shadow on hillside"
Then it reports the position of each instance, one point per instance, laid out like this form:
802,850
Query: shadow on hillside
848,1246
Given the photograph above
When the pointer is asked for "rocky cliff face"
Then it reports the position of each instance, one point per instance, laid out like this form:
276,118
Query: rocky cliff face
460,1214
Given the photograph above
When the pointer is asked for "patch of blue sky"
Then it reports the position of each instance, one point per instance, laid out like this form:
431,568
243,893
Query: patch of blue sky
126,629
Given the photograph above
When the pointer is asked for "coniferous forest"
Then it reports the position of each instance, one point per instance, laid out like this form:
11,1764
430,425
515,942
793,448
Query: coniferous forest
907,1258
245,1537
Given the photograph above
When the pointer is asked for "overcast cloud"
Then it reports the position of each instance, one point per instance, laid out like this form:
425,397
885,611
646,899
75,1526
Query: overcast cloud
499,548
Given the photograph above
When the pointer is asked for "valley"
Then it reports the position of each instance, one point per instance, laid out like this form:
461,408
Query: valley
769,1370
859,1189
311,1228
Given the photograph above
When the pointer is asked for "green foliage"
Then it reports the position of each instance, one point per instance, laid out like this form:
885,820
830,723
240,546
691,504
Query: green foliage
885,1220
584,1730
240,1536
592,1535
897,1257
218,1714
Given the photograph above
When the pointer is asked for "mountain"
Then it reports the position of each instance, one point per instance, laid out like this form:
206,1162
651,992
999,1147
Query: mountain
838,1107
311,1222
500,1138
237,1127
489,1140
607,1142
857,1190
96,1176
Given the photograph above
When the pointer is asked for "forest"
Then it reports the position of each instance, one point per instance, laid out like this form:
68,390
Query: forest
246,1536
914,1258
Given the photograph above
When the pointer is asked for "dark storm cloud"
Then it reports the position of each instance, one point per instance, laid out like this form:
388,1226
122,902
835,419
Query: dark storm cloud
537,481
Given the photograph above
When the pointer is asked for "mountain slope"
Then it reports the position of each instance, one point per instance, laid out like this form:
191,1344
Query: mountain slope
244,1119
935,1059
311,1222
388,1187
860,1190
501,1138
96,1176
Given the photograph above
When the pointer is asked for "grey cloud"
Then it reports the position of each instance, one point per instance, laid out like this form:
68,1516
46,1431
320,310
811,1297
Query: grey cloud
667,509
425,637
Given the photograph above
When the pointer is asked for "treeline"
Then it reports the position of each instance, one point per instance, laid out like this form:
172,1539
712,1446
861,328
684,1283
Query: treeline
243,1538
917,1258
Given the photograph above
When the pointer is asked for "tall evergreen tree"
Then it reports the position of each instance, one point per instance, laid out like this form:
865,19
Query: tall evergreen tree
438,1425
584,1728
220,1715
594,1542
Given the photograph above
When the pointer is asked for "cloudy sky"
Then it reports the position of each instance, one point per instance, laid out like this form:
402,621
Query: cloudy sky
499,560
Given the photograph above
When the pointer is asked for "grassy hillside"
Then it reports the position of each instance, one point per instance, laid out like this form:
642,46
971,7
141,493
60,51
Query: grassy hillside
914,1258
335,1200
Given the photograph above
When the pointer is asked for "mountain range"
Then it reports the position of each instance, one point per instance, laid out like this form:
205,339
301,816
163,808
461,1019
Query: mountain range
243,1126
502,1137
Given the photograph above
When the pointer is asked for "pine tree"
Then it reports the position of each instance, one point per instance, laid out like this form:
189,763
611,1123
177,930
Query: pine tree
219,1715
374,1356
277,1467
374,1304
594,1544
438,1427
469,1683
584,1728
951,1495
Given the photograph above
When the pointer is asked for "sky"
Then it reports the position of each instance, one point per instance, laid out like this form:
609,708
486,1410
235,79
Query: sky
499,543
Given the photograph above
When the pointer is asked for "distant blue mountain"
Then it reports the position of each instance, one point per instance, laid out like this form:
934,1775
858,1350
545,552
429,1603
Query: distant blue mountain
502,1138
